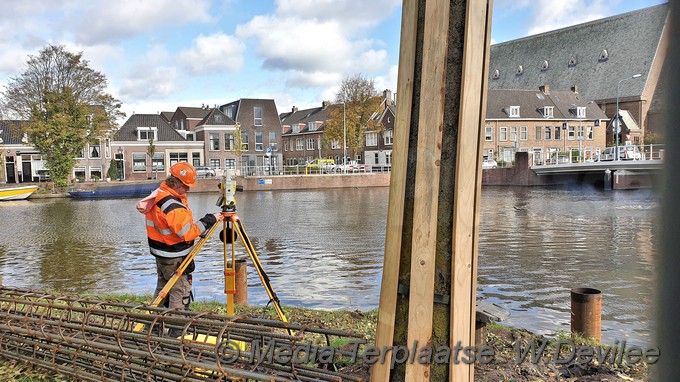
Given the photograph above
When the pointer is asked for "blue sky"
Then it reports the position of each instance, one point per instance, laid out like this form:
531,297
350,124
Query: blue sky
161,54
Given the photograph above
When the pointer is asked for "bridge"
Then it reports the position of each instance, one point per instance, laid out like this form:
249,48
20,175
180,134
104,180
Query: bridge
614,165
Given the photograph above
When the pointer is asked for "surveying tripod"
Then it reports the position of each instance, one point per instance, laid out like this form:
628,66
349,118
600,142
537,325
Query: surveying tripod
231,229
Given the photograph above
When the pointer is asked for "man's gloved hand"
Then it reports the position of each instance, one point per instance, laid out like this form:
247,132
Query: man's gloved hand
208,220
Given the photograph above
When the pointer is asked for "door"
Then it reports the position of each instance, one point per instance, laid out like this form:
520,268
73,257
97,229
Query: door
9,170
26,170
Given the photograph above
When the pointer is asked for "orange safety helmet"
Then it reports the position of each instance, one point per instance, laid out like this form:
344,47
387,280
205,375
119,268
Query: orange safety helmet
184,172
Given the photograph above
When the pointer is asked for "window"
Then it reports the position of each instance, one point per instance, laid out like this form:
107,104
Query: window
581,112
95,173
513,133
514,112
376,158
214,142
310,143
273,141
371,139
190,137
580,133
229,142
548,111
572,133
259,143
296,128
557,133
285,145
215,163
244,141
230,163
138,162
158,162
335,144
79,173
145,133
503,133
257,112
548,133
312,126
387,137
95,151
488,133
196,159
178,157
589,133
523,133
299,144
539,133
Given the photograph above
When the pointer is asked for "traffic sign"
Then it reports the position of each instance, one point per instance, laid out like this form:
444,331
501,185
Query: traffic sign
268,152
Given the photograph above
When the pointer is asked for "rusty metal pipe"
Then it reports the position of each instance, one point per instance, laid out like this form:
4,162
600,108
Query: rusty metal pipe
586,312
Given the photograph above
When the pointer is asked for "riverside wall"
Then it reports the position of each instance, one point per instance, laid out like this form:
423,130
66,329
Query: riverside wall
299,182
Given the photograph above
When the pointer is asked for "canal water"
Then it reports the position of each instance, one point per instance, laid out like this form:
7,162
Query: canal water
324,249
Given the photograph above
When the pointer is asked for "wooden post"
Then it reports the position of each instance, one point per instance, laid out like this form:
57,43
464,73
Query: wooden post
429,276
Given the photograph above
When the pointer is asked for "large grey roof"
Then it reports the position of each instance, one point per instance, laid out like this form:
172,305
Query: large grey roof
630,40
128,132
531,103
215,117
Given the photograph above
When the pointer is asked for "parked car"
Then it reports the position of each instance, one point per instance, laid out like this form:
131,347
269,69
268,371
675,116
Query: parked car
351,166
489,163
320,165
205,172
627,152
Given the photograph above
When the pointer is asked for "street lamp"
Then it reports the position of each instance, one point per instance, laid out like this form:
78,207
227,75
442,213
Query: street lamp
617,120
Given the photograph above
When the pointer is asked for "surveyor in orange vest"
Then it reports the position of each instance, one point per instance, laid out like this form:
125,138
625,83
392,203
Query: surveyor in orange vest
171,231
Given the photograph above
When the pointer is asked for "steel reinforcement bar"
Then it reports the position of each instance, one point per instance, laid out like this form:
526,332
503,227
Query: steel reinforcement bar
94,340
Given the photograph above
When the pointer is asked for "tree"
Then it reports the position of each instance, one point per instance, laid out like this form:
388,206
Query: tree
113,172
239,147
150,151
361,103
64,104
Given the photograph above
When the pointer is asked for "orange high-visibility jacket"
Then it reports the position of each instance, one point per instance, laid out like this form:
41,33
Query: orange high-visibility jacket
170,225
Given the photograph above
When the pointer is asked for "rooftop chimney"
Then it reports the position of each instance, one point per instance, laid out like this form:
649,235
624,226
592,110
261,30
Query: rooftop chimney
545,89
294,109
387,94
325,104
574,88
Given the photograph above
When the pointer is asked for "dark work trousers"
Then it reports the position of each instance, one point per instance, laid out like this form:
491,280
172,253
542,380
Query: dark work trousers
180,294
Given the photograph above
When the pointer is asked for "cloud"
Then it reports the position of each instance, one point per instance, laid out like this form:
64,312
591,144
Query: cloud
113,21
302,79
389,81
214,53
150,77
353,15
550,15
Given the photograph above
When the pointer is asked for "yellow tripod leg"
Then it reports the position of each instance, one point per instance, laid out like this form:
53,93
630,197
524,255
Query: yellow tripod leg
260,270
180,271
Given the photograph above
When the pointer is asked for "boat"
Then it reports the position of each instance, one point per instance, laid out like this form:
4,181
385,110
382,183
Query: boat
16,193
124,190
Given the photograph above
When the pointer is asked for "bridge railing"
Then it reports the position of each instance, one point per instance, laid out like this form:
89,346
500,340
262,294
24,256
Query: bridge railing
652,152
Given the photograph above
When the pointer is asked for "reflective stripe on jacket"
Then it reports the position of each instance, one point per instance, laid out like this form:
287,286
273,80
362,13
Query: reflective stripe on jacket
169,224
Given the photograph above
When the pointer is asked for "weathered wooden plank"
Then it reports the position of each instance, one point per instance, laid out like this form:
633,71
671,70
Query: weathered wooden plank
395,209
468,182
425,203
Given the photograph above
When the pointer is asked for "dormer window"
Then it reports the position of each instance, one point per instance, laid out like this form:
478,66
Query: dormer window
548,111
545,66
513,112
519,70
296,128
604,55
496,74
581,112
312,126
146,133
572,62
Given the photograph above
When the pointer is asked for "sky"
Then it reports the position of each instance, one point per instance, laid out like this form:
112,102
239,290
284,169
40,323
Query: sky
158,55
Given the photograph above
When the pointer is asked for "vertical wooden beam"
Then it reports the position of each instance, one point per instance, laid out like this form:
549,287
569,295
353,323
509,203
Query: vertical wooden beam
426,198
395,210
429,275
467,193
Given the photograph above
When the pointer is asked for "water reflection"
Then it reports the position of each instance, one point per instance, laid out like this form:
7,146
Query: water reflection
324,249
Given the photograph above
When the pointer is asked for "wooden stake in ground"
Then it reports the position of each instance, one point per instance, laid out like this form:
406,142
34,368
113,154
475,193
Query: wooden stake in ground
429,275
